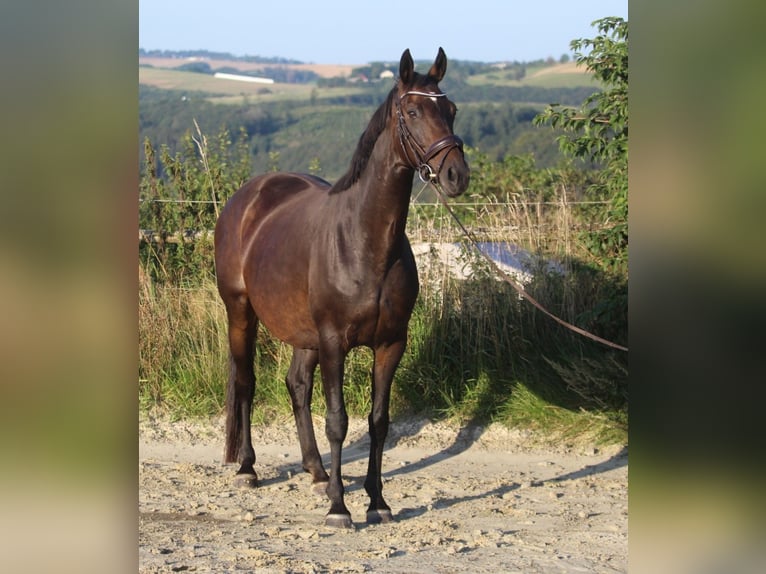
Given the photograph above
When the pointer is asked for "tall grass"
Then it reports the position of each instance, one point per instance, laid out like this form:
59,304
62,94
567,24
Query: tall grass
476,352
183,349
184,357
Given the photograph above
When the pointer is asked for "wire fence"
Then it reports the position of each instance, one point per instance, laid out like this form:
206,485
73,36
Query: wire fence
419,204
536,220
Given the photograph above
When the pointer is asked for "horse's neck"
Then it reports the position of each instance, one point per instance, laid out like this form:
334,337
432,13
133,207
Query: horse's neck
384,198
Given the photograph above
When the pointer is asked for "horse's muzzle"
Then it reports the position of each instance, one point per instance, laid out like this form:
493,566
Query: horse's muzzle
454,175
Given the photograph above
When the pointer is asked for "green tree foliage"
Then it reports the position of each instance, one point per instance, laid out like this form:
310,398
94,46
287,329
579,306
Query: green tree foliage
505,129
180,197
598,131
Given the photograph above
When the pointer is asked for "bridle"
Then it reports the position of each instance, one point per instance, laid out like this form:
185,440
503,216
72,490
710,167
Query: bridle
423,156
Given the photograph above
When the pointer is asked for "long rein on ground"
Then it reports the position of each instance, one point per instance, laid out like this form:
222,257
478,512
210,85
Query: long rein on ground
430,177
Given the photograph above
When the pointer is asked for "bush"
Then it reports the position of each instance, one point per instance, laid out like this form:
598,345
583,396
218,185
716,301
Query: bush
179,201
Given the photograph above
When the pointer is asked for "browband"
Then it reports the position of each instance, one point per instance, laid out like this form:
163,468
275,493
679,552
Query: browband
427,94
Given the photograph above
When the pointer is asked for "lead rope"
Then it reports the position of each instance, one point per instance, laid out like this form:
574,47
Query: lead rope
519,288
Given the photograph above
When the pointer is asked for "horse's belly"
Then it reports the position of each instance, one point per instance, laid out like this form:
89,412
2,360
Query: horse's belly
285,318
279,296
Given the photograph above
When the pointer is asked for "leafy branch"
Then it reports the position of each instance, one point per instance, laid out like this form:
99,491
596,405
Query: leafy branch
597,131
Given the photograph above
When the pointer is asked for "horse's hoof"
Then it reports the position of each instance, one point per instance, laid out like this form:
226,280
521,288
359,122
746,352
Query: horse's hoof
379,516
246,480
338,521
319,488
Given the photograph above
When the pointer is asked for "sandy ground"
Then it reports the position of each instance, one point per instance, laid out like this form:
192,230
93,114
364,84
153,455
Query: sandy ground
464,500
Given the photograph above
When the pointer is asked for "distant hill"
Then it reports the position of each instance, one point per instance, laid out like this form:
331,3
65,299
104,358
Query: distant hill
207,54
313,113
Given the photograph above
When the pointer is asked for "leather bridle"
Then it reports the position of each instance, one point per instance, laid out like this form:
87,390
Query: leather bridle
422,155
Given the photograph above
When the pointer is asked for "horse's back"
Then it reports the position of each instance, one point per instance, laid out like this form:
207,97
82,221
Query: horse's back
254,202
272,190
262,194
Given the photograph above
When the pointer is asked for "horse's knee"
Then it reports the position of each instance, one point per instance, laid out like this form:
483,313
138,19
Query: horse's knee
379,422
300,393
379,416
336,426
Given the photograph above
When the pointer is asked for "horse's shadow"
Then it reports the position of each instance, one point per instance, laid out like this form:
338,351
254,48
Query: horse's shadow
359,448
467,435
618,460
465,438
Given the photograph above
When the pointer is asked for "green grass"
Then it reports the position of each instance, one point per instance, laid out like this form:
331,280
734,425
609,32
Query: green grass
475,353
529,410
184,359
183,352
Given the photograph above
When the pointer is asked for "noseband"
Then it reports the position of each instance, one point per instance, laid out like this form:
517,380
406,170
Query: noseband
423,156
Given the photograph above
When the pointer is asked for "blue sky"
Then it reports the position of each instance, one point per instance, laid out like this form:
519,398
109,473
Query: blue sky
359,31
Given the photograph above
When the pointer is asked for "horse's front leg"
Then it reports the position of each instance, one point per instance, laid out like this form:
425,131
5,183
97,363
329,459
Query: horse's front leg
387,359
300,383
331,360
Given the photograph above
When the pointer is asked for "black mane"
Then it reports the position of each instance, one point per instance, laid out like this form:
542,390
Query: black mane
366,144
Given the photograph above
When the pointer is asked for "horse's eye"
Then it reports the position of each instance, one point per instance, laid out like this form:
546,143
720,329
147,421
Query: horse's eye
412,113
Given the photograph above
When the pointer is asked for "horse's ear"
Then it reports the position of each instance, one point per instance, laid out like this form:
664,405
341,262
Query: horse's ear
406,67
440,66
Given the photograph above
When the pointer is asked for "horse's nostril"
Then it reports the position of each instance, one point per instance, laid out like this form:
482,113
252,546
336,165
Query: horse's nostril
463,178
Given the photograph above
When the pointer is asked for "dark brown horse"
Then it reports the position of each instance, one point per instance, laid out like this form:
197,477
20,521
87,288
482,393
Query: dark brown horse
329,268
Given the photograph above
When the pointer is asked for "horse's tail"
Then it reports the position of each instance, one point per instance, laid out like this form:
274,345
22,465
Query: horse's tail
233,420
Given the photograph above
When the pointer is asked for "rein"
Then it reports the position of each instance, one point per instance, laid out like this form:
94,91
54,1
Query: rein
423,156
508,279
429,176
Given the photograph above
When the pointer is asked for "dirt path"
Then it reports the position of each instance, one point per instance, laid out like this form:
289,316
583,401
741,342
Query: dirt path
477,500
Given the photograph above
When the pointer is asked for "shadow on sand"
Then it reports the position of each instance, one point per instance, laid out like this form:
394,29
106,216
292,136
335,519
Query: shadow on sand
465,438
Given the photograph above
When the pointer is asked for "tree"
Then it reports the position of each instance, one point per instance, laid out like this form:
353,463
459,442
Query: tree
597,131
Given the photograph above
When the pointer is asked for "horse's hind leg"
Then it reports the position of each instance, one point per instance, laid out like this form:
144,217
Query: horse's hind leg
386,360
243,327
300,383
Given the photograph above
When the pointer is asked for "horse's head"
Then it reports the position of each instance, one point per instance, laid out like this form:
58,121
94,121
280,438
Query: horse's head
424,118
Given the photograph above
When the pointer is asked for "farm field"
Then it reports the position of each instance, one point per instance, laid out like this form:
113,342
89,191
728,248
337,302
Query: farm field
225,91
168,79
567,75
321,70
162,73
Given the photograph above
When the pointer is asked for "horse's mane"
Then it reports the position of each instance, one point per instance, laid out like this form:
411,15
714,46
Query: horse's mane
366,143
